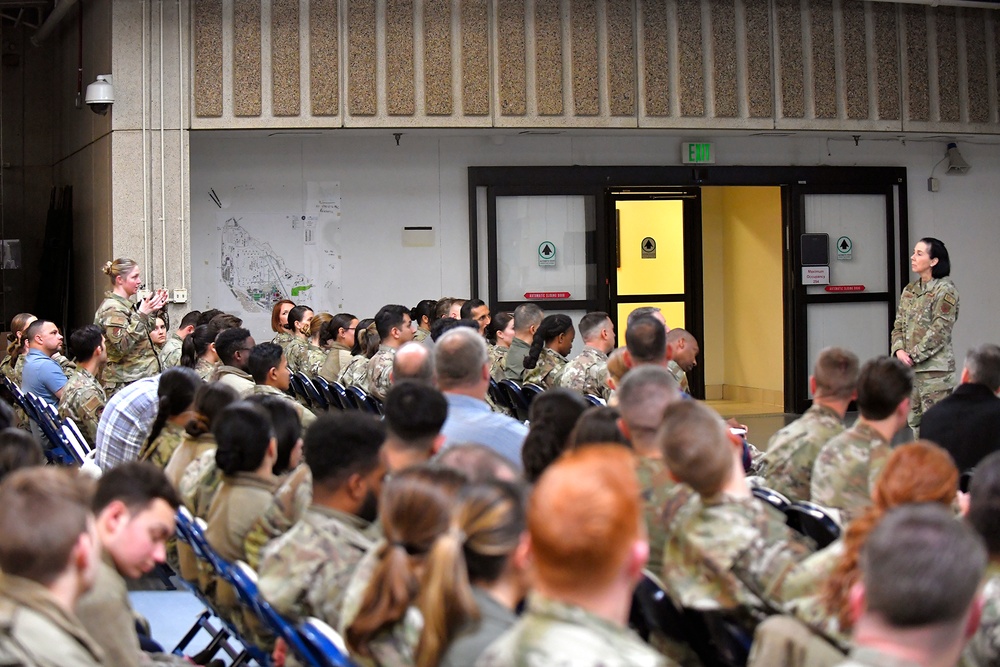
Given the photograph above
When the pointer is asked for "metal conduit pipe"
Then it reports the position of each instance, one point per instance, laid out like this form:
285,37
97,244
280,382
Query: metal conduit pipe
974,4
58,13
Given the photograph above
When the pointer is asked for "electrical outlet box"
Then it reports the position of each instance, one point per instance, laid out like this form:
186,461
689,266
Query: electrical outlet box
933,184
180,296
142,294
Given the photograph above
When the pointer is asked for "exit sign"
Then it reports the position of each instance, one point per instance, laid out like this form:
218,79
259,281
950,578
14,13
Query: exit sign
697,153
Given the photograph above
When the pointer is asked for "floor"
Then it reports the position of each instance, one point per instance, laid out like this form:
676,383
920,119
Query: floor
762,421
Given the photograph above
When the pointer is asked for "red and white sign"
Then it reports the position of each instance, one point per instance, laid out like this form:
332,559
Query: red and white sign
546,295
845,288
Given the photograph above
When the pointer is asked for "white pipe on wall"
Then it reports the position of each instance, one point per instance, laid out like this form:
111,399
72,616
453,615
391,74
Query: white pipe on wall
163,166
976,4
146,249
180,137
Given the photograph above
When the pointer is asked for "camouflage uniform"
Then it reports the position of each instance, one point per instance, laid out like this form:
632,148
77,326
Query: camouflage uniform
559,634
497,355
380,372
295,353
314,360
186,452
513,361
656,488
587,373
131,355
83,401
336,361
283,339
19,369
680,376
546,373
239,380
420,335
160,450
170,353
927,313
287,507
305,414
206,369
983,650
792,451
846,469
199,484
305,572
355,374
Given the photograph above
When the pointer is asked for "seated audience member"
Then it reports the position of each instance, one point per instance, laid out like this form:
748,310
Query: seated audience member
379,618
414,414
221,322
299,319
17,348
476,576
444,325
316,348
158,334
792,451
464,377
394,328
49,557
527,318
126,421
83,397
917,601
176,400
338,337
207,316
597,424
499,336
587,550
415,362
547,356
455,309
41,375
479,463
198,352
269,368
652,311
134,505
170,353
279,323
683,356
443,309
724,548
967,423
233,347
305,571
644,396
847,465
616,372
587,373
422,315
367,342
209,402
645,341
983,649
18,449
552,416
477,311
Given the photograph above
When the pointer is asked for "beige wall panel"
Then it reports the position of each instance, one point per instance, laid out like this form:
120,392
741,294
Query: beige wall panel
884,18
511,59
438,99
758,38
246,58
691,81
476,57
621,57
548,58
790,74
824,59
724,61
917,75
324,58
585,69
207,58
286,91
978,74
399,73
855,60
656,54
947,66
362,58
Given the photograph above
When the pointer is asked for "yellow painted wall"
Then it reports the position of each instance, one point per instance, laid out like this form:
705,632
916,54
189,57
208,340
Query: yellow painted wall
713,347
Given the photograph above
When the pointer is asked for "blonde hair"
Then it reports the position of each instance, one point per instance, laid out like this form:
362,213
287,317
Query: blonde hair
15,338
318,320
119,267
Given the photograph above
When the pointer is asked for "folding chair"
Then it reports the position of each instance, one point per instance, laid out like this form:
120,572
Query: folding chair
530,390
315,395
331,397
363,400
595,400
771,497
813,521
295,383
340,393
326,644
515,398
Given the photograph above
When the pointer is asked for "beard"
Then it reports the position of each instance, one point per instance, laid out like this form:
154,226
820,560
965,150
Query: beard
369,507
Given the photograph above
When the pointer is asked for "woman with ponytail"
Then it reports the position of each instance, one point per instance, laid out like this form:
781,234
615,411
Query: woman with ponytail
475,576
366,344
379,619
175,392
209,401
299,320
198,352
13,363
318,346
552,342
338,336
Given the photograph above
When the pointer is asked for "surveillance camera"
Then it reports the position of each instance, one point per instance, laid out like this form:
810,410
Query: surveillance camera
101,94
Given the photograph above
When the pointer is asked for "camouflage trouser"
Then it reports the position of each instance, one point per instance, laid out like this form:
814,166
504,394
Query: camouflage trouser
929,387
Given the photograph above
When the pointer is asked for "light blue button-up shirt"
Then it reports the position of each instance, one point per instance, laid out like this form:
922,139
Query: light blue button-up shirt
470,420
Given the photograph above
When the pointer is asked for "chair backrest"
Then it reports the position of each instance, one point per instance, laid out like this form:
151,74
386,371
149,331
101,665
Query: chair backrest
331,397
317,394
771,497
327,645
17,394
595,400
298,388
341,394
362,400
652,609
813,521
530,390
313,395
499,397
515,398
74,438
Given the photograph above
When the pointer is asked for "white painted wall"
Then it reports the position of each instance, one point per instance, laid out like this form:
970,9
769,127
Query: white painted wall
423,181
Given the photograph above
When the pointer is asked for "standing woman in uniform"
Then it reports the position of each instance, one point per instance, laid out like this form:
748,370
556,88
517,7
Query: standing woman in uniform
131,355
921,336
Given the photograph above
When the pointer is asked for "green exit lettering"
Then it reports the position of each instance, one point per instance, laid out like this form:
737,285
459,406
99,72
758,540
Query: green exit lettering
697,153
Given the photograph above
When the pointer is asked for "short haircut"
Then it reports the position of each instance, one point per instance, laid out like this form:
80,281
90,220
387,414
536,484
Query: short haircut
937,250
190,319
646,340
83,342
18,449
415,411
639,312
206,316
137,485
264,357
983,363
695,446
242,434
478,462
222,322
921,566
598,424
34,329
43,512
552,416
644,394
836,373
442,306
591,324
342,444
677,334
984,502
389,317
459,358
285,424
403,367
583,517
882,384
469,306
229,342
527,315
446,324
